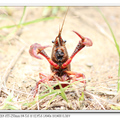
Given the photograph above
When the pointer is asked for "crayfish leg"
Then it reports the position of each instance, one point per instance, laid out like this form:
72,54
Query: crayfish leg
45,79
76,76
37,84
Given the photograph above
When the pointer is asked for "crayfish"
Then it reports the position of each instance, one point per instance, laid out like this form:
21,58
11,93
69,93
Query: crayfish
59,61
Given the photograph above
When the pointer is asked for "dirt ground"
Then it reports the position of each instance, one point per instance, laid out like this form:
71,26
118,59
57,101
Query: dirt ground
99,63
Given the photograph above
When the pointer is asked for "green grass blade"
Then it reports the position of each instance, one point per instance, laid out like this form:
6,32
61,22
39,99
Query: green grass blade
116,44
10,26
8,107
41,97
63,95
28,23
52,99
115,107
29,104
72,84
38,20
48,88
21,20
11,107
81,97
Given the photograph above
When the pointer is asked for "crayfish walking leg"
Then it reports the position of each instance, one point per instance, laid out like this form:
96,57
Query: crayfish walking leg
77,76
43,79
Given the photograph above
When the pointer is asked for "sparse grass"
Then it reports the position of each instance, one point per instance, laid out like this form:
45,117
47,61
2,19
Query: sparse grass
9,103
116,45
54,93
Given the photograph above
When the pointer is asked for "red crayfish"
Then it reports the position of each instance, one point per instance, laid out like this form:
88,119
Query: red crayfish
59,61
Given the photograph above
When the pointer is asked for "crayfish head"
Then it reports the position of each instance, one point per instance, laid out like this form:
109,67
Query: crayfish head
59,41
59,52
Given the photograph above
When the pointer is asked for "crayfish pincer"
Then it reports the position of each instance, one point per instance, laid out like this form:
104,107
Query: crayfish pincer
59,61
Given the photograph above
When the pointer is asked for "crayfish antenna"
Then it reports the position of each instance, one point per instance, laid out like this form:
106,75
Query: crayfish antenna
58,39
60,30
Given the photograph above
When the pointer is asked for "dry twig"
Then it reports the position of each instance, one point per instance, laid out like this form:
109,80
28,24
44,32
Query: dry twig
10,67
109,102
94,97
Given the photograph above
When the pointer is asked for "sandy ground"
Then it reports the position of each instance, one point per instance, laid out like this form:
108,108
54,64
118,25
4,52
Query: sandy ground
98,63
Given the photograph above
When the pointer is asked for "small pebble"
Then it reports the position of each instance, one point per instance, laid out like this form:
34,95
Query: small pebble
72,94
24,81
112,85
12,76
23,62
62,108
89,64
89,79
57,108
117,63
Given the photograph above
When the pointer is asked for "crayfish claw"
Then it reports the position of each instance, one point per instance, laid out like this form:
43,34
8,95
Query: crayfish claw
84,40
87,42
35,49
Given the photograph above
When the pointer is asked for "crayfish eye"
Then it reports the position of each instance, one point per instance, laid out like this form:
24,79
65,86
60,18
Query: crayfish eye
53,41
64,41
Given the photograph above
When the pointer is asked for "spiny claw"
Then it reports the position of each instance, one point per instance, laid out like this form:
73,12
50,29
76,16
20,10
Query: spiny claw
35,49
85,41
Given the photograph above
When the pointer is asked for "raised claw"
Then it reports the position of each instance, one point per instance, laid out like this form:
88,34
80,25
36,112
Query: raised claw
85,41
35,49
